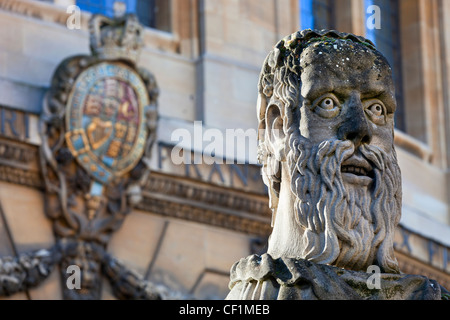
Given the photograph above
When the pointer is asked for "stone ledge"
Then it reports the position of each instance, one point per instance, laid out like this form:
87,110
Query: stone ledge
411,265
203,203
206,216
42,11
412,145
21,96
57,14
255,206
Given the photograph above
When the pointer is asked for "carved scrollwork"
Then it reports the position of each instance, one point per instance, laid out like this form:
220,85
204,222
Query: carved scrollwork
26,271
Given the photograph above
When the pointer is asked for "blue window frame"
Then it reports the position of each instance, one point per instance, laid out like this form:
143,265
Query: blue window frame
151,13
385,37
387,41
105,7
306,14
316,14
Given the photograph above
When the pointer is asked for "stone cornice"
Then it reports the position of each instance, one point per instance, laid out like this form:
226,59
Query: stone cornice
252,205
42,11
411,265
52,13
190,200
412,145
19,163
21,176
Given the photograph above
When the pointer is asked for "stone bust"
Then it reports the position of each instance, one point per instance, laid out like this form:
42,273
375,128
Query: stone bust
326,142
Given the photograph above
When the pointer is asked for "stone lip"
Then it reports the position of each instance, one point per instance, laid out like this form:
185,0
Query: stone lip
263,277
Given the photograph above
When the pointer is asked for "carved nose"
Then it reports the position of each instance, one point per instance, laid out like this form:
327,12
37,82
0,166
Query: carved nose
355,128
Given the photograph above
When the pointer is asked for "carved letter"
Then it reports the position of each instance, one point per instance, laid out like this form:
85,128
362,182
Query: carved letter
11,122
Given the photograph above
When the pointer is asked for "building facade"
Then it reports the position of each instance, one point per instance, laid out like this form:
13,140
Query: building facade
206,207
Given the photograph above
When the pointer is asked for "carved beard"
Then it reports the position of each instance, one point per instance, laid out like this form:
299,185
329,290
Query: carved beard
346,225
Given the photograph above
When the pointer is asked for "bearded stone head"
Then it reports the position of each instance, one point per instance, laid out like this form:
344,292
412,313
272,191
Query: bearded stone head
326,115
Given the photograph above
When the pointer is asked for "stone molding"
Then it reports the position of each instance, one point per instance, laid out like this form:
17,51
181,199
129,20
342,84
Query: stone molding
411,265
42,11
255,206
412,145
19,163
198,202
21,176
57,14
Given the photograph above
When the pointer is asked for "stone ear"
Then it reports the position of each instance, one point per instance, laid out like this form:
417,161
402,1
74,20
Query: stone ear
275,135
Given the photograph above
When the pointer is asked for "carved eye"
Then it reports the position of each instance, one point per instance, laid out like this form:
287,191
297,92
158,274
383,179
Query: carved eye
376,109
376,112
327,106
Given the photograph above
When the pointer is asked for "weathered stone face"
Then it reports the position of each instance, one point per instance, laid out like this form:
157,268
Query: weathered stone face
347,92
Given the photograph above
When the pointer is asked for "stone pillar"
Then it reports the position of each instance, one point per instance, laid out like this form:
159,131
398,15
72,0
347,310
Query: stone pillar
350,16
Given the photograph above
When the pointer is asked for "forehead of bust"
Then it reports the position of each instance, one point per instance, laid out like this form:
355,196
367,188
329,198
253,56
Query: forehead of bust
344,66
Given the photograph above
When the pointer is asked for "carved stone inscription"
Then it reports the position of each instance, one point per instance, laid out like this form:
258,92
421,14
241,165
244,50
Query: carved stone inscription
14,124
242,176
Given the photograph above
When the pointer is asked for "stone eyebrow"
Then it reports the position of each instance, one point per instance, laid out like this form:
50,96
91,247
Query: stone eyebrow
386,96
374,93
315,91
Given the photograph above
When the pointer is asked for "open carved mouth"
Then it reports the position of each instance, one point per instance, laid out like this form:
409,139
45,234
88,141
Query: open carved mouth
357,170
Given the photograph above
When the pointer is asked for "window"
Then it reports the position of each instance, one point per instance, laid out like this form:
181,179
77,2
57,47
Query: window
316,14
151,13
154,14
387,41
105,7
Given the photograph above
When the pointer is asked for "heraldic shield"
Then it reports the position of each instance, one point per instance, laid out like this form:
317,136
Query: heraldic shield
105,120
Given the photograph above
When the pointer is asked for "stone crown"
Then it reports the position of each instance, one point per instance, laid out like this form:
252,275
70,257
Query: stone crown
118,38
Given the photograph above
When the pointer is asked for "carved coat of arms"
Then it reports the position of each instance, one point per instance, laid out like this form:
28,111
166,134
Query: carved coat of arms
106,131
98,126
